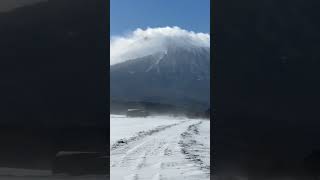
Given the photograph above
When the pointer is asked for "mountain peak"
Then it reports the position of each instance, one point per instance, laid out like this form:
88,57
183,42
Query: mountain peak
177,76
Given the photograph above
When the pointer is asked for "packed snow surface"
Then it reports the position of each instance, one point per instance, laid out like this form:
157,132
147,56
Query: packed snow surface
119,125
159,148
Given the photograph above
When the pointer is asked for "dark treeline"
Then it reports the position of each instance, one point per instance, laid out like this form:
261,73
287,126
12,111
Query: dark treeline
153,108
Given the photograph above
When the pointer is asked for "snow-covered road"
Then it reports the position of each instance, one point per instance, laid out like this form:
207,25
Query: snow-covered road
164,152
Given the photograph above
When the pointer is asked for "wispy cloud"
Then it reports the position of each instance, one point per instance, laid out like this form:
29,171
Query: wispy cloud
143,42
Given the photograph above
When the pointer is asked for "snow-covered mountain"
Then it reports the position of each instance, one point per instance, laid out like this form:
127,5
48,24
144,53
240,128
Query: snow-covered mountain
179,75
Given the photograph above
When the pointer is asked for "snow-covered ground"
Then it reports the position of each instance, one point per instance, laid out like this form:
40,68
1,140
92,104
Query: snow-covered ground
159,148
119,125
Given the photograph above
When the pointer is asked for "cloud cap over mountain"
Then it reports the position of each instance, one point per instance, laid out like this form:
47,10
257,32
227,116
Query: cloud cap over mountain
141,42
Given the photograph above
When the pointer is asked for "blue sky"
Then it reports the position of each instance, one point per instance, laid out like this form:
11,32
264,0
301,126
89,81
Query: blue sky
128,15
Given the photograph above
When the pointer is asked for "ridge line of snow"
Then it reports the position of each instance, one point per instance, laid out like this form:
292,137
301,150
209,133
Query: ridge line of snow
141,134
188,142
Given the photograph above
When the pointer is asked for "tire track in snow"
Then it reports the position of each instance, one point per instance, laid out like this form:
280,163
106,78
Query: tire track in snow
140,135
192,148
155,155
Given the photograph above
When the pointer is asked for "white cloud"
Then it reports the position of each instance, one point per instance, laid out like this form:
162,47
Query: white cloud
141,42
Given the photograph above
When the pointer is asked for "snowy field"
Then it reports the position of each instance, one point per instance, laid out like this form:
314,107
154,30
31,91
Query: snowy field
119,125
159,148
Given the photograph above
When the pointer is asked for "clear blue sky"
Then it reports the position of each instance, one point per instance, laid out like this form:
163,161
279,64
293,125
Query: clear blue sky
128,15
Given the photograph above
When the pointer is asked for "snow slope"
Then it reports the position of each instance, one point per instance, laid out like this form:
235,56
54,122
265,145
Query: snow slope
156,153
179,76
